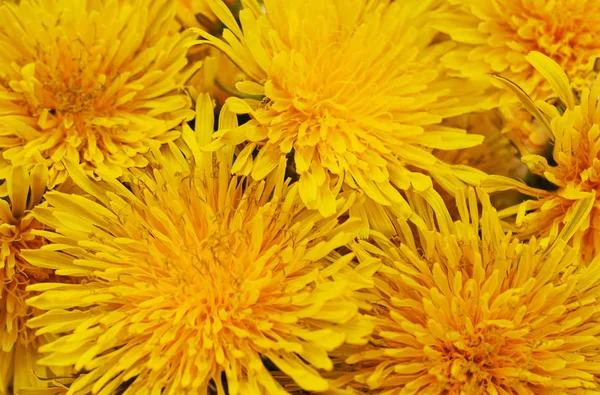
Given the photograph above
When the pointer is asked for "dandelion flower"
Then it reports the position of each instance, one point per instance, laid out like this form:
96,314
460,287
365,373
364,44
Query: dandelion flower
353,88
97,83
18,344
463,308
192,275
496,35
575,134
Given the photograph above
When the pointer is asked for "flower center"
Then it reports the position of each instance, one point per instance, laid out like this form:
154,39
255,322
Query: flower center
63,89
565,30
471,361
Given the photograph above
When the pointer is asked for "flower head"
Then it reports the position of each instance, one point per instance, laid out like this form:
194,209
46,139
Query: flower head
353,88
575,133
94,82
192,275
18,344
496,35
462,308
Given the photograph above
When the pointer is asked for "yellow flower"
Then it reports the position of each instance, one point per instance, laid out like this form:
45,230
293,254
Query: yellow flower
18,345
575,134
97,83
353,88
466,309
194,275
496,35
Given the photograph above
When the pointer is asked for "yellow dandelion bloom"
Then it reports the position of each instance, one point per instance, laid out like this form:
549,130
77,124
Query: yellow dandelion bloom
193,275
575,133
496,35
353,88
466,309
18,344
97,83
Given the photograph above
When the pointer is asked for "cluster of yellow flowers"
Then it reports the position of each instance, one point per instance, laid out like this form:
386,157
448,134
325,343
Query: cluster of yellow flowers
339,197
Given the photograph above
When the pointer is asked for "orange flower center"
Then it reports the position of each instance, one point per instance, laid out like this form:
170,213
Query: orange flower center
67,90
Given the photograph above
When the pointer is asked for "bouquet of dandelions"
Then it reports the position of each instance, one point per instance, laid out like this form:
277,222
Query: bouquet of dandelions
299,197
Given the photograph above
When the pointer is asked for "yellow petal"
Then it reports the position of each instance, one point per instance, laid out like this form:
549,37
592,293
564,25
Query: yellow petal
555,75
18,188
